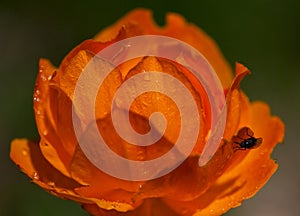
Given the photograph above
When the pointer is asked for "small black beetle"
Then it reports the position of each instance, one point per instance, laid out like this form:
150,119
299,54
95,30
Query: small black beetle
246,140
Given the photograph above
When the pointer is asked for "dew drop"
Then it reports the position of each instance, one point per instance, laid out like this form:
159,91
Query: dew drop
36,99
145,172
38,112
43,77
127,45
35,176
45,132
51,184
24,152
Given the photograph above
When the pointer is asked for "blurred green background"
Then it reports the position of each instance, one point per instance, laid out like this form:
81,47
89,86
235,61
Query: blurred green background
262,34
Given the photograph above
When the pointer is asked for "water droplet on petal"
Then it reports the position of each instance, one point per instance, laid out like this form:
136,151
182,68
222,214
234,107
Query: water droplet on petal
35,176
63,191
36,99
43,77
24,152
45,132
51,184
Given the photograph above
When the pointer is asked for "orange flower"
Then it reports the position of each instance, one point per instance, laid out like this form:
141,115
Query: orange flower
59,165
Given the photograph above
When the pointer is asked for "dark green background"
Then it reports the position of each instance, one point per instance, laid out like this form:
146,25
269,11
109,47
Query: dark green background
262,34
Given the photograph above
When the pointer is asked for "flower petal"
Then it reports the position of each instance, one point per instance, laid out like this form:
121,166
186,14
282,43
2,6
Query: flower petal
149,207
236,102
141,21
28,156
152,102
50,144
101,186
245,179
